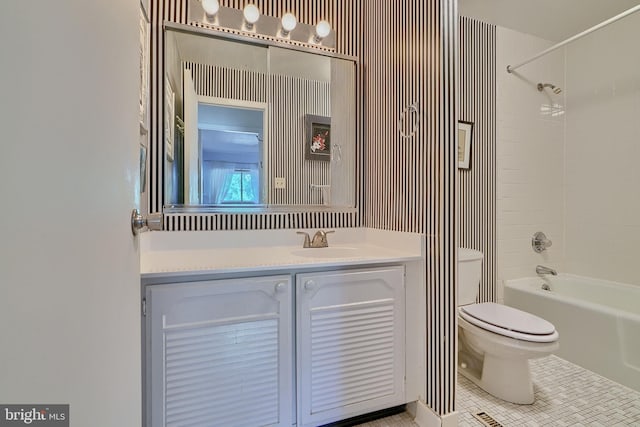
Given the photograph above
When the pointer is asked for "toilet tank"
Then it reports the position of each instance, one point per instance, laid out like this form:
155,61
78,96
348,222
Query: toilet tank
469,272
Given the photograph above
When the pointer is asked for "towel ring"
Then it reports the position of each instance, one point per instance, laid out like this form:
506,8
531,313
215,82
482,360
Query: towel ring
416,125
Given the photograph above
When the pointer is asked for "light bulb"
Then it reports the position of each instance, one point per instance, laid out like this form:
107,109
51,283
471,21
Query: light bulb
251,14
323,28
289,22
210,7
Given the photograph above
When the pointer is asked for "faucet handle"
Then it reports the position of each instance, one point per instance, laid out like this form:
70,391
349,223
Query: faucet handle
540,242
325,236
307,239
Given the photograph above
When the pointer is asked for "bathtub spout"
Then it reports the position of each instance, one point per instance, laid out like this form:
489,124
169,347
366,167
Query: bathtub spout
541,269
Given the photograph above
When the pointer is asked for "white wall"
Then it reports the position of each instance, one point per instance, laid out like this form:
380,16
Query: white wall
530,155
69,270
603,153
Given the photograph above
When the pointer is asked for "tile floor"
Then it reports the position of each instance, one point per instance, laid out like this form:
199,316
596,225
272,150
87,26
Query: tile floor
566,395
399,420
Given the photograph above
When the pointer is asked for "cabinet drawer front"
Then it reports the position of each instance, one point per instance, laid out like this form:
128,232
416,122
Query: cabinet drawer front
350,343
218,345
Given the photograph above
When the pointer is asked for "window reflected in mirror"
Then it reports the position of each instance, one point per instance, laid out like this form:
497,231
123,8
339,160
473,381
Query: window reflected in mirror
230,140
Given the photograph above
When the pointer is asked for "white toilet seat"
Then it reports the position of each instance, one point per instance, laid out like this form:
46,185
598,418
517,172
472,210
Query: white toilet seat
509,322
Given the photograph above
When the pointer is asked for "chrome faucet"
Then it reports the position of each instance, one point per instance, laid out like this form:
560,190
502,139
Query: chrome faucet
541,269
319,239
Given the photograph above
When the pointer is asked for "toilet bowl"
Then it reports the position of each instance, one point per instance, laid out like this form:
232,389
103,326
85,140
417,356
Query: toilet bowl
496,342
495,357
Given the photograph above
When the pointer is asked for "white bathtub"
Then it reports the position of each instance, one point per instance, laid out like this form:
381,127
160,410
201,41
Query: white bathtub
598,321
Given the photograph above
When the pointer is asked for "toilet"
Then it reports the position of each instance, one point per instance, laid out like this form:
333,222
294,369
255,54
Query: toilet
495,342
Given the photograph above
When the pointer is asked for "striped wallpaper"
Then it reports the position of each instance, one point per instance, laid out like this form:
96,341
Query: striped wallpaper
161,10
258,221
410,57
345,19
478,184
302,97
223,82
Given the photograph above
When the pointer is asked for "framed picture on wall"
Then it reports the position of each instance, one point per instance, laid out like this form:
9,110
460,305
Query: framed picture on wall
465,137
317,138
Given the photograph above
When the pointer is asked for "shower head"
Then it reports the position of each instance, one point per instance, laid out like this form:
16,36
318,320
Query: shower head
554,88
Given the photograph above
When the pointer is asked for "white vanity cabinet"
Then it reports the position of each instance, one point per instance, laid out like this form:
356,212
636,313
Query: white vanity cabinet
219,353
350,343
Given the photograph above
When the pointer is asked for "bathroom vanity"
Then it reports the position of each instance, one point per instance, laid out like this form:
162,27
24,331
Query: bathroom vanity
249,328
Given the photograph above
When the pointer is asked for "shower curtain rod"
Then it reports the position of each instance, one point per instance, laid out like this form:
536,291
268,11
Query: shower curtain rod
512,68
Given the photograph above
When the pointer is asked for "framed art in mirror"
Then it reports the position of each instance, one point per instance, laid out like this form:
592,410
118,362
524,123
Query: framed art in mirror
317,138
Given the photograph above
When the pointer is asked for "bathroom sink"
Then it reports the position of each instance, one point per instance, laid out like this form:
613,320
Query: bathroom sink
329,252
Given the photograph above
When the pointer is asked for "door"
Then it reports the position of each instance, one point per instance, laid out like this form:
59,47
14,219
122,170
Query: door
220,353
69,178
192,181
350,343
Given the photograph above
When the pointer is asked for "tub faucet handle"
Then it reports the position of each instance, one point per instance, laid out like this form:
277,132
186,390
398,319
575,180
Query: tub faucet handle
539,242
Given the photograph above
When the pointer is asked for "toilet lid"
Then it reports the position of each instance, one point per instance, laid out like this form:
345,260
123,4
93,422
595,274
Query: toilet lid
509,321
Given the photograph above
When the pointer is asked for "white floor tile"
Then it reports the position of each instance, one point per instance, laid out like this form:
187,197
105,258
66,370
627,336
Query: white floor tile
566,395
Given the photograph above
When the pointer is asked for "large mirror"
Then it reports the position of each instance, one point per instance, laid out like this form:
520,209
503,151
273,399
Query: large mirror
256,126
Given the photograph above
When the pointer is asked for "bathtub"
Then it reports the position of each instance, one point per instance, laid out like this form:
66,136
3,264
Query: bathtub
598,321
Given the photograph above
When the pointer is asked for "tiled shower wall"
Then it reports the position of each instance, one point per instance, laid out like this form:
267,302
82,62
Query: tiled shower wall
567,162
530,156
602,177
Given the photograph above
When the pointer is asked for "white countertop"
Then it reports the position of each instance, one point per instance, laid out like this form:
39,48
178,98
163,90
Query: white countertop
180,254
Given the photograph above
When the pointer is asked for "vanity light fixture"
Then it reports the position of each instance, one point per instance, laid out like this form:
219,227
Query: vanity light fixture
288,23
322,30
251,15
284,29
211,8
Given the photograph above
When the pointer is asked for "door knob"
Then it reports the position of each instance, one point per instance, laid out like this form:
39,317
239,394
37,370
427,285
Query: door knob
280,287
151,221
309,285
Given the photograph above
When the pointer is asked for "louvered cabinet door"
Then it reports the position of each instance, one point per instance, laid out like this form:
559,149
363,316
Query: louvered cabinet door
350,343
220,353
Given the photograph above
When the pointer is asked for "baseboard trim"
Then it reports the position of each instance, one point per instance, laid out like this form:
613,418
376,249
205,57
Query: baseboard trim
425,417
450,419
365,418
